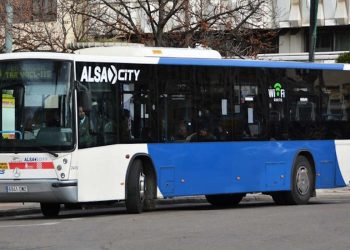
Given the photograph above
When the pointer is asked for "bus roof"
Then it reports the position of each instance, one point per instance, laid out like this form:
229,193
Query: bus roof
175,61
253,63
36,55
141,51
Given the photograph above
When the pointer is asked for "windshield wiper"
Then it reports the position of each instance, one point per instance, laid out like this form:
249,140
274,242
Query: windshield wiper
14,147
47,151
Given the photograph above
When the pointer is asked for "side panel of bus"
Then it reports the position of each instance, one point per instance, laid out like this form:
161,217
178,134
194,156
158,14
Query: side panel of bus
255,121
102,171
237,167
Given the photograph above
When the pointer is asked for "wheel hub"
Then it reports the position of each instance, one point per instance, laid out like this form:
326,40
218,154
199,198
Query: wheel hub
302,181
142,186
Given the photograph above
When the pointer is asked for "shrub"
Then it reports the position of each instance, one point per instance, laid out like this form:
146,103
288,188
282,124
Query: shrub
344,58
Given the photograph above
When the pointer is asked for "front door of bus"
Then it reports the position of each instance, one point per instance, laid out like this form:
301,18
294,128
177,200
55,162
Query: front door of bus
10,98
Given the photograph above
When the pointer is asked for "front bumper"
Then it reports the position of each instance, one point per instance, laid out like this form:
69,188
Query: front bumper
46,190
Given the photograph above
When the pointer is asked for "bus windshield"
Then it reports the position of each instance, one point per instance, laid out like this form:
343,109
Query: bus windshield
36,106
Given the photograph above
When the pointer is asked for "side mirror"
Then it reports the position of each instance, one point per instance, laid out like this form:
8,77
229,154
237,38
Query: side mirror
84,100
84,96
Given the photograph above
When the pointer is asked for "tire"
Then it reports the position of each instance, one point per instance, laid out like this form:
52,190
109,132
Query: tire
280,198
50,210
302,184
224,200
303,181
136,188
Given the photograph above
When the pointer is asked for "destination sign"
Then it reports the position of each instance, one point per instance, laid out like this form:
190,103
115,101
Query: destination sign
16,71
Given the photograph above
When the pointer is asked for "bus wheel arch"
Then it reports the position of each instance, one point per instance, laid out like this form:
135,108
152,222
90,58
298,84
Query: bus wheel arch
141,184
302,181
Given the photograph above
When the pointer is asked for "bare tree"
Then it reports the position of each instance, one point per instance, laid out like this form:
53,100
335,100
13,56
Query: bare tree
233,27
48,28
21,14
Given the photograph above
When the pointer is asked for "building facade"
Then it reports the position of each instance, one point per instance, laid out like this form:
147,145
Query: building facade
333,25
40,25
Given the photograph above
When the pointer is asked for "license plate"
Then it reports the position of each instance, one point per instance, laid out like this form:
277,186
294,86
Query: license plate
17,189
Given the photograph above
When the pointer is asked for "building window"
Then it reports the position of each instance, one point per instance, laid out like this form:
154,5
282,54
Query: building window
330,39
22,11
342,41
324,42
44,10
31,10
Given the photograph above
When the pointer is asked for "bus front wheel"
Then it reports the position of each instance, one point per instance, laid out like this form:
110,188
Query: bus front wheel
50,209
136,188
224,200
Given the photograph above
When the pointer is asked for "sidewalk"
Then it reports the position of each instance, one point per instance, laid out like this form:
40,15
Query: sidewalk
343,190
9,209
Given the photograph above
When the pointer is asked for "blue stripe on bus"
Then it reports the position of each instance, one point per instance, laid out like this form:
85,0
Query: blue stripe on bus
248,63
234,167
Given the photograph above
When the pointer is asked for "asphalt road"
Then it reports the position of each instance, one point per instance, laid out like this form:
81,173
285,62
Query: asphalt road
254,224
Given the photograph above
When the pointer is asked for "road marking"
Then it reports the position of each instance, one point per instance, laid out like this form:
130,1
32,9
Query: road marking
72,219
32,225
40,224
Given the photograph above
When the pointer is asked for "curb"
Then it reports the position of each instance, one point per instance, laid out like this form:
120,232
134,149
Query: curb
19,211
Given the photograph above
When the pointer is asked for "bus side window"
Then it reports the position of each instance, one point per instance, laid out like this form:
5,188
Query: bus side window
275,124
176,103
214,109
125,126
137,119
249,105
305,111
101,126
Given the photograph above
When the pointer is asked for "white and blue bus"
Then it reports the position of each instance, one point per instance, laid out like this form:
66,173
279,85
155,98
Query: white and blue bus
81,128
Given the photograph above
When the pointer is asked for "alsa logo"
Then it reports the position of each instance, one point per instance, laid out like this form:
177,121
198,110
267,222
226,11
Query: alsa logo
109,74
32,159
277,92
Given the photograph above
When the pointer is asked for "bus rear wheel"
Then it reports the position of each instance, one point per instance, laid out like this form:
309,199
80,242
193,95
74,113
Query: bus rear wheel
303,183
136,188
224,200
280,198
50,209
